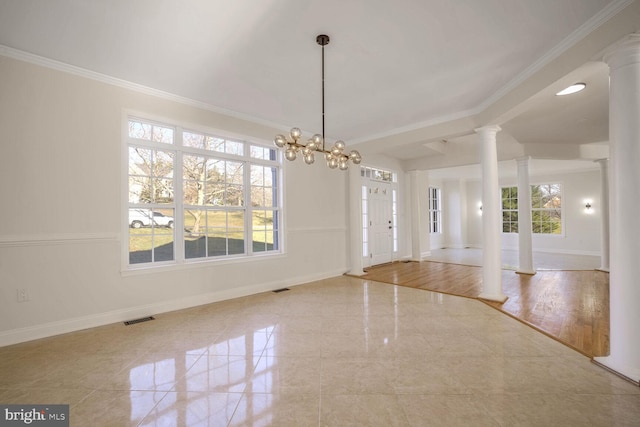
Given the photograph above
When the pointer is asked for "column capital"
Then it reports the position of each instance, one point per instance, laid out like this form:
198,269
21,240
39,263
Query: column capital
625,52
522,159
602,162
488,129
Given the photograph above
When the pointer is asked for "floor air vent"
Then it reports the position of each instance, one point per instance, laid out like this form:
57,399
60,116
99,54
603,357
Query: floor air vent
277,291
142,319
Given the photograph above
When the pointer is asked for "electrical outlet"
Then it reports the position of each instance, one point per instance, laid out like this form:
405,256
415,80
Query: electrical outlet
23,295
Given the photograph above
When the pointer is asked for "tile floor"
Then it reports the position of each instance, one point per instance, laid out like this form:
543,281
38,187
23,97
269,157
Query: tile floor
337,352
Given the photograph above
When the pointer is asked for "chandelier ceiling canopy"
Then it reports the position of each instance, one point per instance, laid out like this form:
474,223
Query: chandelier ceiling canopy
336,156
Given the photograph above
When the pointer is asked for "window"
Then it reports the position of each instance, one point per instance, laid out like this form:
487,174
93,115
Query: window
546,209
223,193
510,210
365,221
378,174
394,216
435,212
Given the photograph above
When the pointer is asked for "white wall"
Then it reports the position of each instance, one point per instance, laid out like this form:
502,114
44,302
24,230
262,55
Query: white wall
60,231
474,214
454,202
581,230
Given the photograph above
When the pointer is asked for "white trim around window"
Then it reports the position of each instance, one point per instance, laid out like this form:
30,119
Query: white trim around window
435,210
195,195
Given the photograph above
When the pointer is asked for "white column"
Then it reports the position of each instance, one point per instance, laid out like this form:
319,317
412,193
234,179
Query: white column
491,251
604,213
418,191
355,221
525,246
624,140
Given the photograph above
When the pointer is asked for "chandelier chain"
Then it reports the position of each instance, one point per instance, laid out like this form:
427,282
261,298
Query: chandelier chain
323,97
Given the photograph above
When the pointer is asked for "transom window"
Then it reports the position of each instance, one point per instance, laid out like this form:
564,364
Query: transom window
195,196
378,174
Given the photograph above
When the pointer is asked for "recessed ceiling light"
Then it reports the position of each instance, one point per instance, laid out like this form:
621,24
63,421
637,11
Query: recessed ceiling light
577,87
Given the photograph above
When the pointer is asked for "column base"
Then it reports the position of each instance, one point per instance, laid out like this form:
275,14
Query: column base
355,272
626,372
529,272
493,297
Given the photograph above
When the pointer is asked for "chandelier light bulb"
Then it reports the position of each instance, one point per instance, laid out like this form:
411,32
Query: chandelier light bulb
317,139
343,164
309,158
280,141
290,153
295,133
355,157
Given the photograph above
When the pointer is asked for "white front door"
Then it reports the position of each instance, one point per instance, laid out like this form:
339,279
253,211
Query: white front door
380,223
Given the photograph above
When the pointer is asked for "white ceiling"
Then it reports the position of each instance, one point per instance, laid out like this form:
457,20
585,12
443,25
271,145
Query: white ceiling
395,71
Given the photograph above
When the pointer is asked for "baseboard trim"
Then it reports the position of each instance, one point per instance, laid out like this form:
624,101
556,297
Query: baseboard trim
424,255
624,372
556,251
30,333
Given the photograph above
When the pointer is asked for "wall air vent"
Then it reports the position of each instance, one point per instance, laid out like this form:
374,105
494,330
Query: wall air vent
142,319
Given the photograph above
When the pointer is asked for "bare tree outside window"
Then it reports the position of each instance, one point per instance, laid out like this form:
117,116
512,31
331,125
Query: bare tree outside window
546,209
229,197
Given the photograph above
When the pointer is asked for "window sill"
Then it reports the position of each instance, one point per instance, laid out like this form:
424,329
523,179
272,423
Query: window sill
144,269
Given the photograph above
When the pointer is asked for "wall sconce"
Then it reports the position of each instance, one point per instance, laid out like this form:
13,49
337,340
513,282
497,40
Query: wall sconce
479,208
587,206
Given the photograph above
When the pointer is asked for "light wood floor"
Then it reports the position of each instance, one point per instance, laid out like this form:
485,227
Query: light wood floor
570,306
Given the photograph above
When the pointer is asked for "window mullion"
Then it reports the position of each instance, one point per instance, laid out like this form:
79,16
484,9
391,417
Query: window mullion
178,198
248,211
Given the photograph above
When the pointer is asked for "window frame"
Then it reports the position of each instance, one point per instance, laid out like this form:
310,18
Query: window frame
533,209
179,205
435,213
511,212
549,210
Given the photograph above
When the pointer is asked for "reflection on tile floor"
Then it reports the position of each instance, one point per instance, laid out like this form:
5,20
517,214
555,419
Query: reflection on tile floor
337,352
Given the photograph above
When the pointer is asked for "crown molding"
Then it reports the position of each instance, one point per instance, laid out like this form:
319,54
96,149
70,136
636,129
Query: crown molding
571,40
52,64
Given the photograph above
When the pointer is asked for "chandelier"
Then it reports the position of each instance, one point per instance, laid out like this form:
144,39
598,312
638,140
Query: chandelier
335,156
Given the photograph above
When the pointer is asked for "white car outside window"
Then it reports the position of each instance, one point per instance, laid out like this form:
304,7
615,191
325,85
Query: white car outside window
145,218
